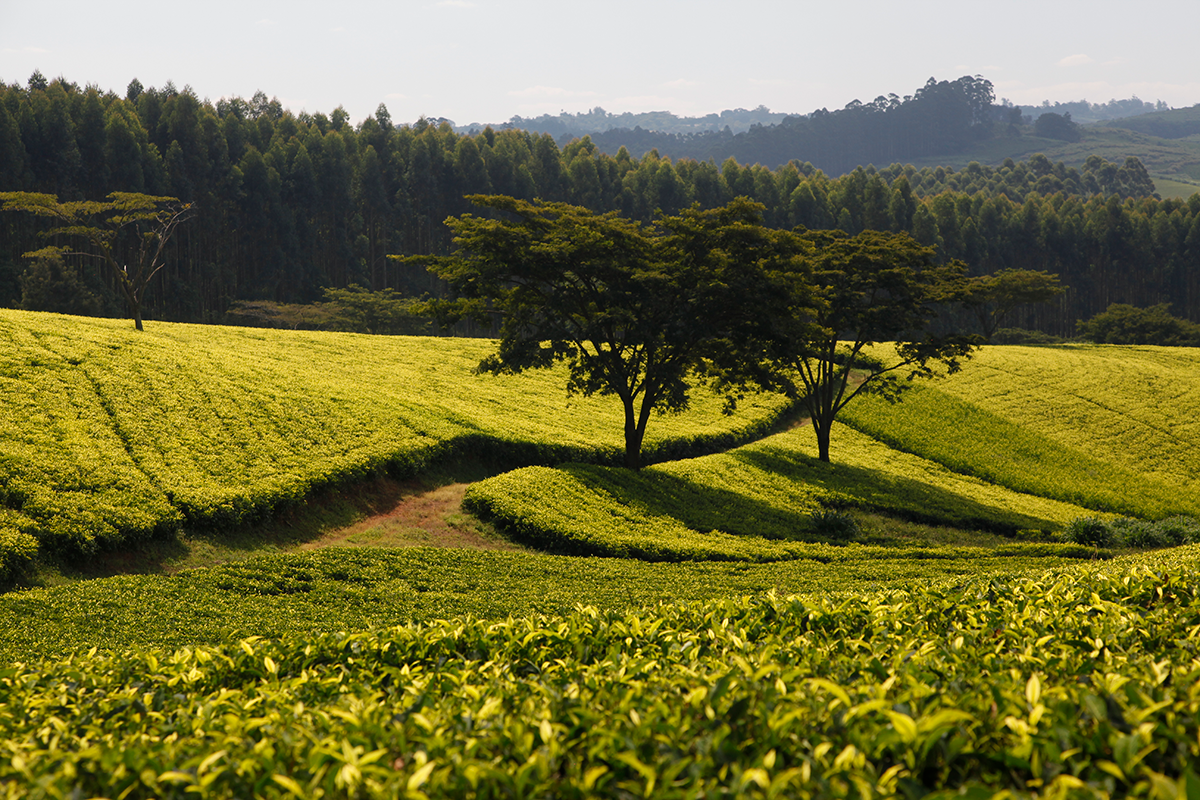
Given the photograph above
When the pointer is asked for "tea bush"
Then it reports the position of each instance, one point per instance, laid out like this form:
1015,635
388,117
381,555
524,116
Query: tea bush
1080,682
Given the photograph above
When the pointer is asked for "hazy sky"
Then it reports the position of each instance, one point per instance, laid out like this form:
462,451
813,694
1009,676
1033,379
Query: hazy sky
486,60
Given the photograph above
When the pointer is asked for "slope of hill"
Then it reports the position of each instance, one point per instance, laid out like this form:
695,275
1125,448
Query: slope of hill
109,436
1168,160
1176,123
435,673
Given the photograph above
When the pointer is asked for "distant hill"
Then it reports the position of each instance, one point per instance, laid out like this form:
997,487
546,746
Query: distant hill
947,123
1177,123
598,120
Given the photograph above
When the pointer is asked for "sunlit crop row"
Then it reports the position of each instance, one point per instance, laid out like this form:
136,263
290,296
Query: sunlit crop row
297,595
1138,407
107,434
752,503
1045,421
1082,682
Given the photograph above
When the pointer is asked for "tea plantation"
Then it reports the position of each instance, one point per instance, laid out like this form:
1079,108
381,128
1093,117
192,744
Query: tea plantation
723,625
108,437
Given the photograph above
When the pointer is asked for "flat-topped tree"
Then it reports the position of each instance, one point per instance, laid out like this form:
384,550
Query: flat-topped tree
127,232
633,311
992,297
871,289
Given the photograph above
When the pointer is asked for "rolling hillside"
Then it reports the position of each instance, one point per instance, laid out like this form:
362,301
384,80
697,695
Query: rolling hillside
776,653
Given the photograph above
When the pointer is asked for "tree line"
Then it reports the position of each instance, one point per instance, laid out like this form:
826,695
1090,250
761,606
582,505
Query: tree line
285,206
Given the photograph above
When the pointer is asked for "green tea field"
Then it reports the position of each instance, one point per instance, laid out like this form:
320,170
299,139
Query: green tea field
108,437
990,591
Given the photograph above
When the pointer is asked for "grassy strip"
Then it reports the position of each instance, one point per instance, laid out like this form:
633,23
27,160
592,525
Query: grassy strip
1079,682
340,589
108,436
753,503
968,439
1134,407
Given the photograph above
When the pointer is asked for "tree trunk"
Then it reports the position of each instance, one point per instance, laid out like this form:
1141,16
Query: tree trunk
633,438
822,431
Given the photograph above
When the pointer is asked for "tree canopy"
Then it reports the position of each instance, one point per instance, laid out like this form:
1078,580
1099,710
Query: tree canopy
128,233
992,297
632,310
858,320
645,312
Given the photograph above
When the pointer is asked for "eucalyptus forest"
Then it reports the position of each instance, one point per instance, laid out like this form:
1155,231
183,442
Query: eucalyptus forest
288,205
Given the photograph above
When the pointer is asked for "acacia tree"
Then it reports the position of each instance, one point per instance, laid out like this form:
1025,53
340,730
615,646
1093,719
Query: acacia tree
992,297
872,289
633,311
128,233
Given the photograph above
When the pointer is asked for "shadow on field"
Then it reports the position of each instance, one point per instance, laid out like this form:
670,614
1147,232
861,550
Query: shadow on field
876,490
312,522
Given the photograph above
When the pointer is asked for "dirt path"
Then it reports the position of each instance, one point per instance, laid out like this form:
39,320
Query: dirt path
416,516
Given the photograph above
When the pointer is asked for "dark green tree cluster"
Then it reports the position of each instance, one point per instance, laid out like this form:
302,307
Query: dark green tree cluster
1016,180
286,206
1122,323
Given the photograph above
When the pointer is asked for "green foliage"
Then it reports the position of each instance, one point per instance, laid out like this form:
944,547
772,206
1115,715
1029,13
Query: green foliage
18,548
49,285
1077,682
359,310
127,233
1133,533
992,297
865,289
269,314
289,204
294,596
632,312
1090,531
1056,126
1023,336
110,438
834,524
1134,408
755,503
1121,323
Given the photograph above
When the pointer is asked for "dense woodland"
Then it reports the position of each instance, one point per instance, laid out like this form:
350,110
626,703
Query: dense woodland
289,205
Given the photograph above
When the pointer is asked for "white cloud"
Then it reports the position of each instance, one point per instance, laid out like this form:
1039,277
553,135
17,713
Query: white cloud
1077,60
679,83
396,96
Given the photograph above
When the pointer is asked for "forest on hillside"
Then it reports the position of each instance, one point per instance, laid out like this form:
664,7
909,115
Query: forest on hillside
288,205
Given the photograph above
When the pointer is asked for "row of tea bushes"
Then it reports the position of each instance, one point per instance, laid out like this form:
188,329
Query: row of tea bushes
1068,420
296,596
754,503
1083,682
968,439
